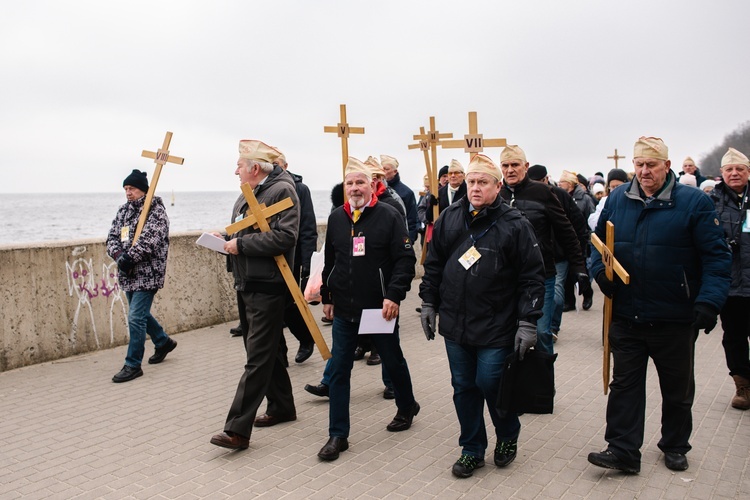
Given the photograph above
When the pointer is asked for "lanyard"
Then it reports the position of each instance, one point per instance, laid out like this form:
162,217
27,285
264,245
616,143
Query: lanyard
482,234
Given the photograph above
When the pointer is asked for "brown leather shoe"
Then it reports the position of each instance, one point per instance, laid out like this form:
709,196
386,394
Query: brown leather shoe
233,441
267,420
331,450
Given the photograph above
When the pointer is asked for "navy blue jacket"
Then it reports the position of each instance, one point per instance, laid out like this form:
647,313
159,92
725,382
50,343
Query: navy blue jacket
410,203
673,248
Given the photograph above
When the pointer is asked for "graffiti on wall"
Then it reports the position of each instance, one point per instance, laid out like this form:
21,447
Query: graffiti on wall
83,283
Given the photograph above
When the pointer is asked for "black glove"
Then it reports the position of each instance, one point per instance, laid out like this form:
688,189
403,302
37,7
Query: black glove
125,263
606,285
428,316
705,317
584,284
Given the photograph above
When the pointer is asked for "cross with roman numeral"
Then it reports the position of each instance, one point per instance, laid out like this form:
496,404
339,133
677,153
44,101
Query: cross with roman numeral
161,157
473,142
343,130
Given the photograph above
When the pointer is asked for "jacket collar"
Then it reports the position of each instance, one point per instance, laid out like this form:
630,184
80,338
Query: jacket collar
348,207
664,194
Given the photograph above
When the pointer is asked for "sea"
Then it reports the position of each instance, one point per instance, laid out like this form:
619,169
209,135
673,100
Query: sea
49,217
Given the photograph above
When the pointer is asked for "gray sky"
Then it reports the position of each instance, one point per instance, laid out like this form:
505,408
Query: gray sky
87,85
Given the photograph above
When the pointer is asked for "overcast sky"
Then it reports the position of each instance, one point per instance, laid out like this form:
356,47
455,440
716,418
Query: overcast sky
87,85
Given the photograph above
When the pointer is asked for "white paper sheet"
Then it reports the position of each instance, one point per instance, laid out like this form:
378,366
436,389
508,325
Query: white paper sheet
372,322
211,242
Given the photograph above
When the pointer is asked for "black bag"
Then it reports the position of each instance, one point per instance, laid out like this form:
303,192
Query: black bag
527,386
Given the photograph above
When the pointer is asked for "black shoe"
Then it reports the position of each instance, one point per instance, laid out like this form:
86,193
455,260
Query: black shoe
587,303
304,352
331,450
127,373
359,353
388,393
317,390
466,465
675,461
326,321
608,460
161,352
373,359
569,307
505,452
419,309
236,331
402,420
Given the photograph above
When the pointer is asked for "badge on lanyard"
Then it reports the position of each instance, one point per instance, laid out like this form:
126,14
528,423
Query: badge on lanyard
125,234
745,226
358,248
469,258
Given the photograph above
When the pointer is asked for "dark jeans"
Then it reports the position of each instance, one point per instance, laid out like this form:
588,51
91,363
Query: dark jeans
344,342
672,348
543,331
735,321
140,324
265,374
475,376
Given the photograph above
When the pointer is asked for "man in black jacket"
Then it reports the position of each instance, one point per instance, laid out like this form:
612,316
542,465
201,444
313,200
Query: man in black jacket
390,166
369,264
543,209
485,278
453,191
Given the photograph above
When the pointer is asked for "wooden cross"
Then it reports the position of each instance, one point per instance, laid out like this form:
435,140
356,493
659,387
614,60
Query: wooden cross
430,139
257,218
611,266
160,158
615,157
473,142
424,146
343,130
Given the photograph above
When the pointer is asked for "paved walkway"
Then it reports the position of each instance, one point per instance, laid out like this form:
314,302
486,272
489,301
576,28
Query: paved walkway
66,431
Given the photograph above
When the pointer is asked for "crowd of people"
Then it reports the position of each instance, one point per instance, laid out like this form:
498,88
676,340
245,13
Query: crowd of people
507,254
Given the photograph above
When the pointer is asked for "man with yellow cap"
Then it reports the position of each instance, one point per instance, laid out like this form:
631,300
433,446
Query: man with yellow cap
541,207
261,296
369,264
730,198
690,168
393,178
484,277
669,239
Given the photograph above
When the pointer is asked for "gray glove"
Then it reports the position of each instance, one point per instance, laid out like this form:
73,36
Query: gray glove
525,338
428,316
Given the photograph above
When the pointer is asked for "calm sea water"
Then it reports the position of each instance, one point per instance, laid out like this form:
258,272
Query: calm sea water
30,218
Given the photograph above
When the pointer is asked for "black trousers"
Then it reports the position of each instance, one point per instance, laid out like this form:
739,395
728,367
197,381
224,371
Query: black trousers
265,374
672,348
292,316
735,321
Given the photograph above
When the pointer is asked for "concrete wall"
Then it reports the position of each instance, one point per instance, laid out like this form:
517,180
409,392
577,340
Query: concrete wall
60,299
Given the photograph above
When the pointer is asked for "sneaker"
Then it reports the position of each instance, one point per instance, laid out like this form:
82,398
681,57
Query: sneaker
161,352
609,460
465,466
127,373
505,452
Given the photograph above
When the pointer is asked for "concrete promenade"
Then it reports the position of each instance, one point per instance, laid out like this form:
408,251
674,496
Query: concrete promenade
66,431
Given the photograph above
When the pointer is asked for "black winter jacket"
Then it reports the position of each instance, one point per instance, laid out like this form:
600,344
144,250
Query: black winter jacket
384,272
540,205
482,306
732,210
307,242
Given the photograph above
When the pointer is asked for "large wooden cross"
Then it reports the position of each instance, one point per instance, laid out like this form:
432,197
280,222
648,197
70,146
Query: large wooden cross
424,146
432,138
161,157
611,266
615,157
473,142
343,130
257,218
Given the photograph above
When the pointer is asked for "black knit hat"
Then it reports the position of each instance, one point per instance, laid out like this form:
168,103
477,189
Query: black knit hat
537,172
137,179
617,174
443,171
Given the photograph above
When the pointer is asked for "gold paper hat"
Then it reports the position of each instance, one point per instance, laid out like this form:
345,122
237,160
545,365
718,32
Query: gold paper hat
688,161
374,166
256,150
481,164
389,160
513,152
650,147
734,157
455,166
354,166
569,176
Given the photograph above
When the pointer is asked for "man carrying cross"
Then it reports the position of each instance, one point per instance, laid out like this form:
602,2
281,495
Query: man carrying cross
261,296
668,238
142,266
